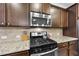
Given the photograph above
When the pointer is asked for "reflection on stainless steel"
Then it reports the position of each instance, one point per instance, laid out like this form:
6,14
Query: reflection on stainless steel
40,19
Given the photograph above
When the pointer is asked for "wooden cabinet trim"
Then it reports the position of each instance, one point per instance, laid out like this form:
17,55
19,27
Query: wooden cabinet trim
21,53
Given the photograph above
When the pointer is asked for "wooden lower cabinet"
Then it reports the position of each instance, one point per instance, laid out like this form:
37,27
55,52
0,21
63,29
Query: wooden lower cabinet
68,49
73,48
21,53
63,51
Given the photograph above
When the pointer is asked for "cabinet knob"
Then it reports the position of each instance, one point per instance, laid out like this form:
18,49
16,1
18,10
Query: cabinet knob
2,23
8,23
64,45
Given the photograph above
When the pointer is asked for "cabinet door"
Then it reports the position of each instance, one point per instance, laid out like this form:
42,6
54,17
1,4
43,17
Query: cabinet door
2,14
37,7
55,16
17,14
77,11
73,48
46,8
71,30
63,51
64,18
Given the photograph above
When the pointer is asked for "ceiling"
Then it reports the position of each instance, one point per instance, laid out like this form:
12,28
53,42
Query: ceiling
63,5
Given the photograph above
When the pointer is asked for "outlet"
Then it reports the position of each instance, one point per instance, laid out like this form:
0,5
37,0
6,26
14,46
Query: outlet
18,36
3,37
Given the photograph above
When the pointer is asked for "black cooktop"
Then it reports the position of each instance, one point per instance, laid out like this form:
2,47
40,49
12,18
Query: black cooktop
39,43
35,42
42,45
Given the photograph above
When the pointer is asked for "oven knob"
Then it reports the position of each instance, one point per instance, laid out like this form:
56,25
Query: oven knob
36,50
51,47
40,49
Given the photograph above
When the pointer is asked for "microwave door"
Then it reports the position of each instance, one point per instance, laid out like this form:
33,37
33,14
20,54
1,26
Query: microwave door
39,21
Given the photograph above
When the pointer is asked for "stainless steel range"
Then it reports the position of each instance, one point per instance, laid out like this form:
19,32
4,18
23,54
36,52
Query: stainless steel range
41,45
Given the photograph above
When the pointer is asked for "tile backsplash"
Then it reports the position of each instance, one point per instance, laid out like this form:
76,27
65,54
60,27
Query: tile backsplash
51,31
13,34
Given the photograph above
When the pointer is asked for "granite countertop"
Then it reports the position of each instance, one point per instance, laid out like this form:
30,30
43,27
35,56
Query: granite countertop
62,39
13,46
16,46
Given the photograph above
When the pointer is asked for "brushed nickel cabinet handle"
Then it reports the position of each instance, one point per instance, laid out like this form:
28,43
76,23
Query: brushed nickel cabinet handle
8,23
2,23
64,45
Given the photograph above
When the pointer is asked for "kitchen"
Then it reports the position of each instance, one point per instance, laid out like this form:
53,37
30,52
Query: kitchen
21,23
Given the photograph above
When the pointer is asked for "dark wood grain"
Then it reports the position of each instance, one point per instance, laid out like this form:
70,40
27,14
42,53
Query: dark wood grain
21,53
64,18
55,16
37,7
46,8
68,48
73,48
2,14
71,30
17,14
59,17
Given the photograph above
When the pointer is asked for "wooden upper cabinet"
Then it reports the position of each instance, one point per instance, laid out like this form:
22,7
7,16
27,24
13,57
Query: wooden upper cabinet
77,11
71,30
17,14
59,17
64,18
46,8
2,14
37,7
40,7
55,16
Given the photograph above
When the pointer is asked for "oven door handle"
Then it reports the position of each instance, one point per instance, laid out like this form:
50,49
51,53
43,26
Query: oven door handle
40,54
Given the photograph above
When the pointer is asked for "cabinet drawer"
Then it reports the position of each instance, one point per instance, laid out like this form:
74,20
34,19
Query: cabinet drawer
61,45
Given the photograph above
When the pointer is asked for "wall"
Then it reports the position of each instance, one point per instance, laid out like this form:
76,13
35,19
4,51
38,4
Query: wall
10,41
11,34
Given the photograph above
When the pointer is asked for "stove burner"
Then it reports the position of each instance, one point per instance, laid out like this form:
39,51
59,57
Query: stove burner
38,44
40,41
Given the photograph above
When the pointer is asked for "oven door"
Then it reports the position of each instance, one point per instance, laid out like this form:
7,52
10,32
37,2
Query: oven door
53,52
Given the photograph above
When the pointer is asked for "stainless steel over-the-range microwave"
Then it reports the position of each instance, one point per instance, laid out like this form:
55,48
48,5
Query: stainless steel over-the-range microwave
40,19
